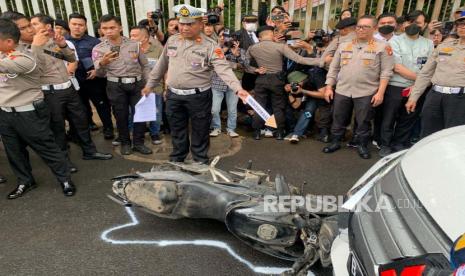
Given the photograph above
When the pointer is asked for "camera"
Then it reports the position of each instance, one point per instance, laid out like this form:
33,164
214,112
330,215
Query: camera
319,38
448,26
156,16
213,16
294,87
229,38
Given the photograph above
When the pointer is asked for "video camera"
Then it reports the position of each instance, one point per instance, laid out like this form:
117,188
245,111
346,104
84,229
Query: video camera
319,38
156,16
213,16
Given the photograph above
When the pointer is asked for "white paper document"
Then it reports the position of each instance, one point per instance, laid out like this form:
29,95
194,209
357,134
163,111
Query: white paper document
146,110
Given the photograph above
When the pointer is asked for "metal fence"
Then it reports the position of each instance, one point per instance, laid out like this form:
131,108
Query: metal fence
311,13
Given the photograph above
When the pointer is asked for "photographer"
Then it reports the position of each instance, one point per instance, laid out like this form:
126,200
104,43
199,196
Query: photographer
307,93
153,19
232,53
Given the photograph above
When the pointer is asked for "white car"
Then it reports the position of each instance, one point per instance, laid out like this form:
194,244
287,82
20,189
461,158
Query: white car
420,195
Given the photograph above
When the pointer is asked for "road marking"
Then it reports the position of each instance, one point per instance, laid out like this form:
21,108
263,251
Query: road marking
105,236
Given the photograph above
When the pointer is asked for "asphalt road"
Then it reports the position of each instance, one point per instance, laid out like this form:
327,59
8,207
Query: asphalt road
44,233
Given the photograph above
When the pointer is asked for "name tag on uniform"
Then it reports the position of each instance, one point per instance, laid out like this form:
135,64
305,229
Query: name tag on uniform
172,51
202,54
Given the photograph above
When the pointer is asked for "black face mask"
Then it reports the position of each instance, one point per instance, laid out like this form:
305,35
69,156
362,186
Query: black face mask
412,29
386,29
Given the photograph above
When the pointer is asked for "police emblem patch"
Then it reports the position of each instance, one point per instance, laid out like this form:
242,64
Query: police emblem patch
184,11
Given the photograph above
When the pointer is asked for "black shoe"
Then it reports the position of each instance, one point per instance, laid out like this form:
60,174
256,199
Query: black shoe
2,179
98,156
142,149
324,135
68,188
21,190
126,150
352,143
363,151
108,134
334,146
279,135
156,139
385,151
93,127
256,135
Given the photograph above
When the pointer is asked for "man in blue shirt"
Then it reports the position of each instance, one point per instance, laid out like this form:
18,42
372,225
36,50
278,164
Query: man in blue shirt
92,87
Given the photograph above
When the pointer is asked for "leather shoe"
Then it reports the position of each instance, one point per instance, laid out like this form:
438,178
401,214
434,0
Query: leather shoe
68,188
334,146
98,156
142,149
126,150
256,135
108,134
280,135
2,179
21,190
363,152
384,151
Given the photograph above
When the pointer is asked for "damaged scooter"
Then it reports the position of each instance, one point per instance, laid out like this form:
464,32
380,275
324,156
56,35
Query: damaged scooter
238,199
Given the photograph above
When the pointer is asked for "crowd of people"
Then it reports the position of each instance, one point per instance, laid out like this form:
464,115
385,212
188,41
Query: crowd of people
388,80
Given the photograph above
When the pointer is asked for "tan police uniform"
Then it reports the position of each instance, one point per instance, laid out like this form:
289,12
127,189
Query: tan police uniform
125,79
444,105
270,54
62,98
189,64
24,118
357,69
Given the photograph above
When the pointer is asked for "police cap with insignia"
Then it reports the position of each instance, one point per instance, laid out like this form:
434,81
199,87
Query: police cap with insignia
461,15
187,13
346,22
249,18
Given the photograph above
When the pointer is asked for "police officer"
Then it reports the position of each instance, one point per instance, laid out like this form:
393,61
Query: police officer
92,87
126,68
361,68
444,106
346,29
60,94
189,58
24,116
269,56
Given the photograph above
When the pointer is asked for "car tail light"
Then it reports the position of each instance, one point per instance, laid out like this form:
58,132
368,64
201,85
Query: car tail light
430,264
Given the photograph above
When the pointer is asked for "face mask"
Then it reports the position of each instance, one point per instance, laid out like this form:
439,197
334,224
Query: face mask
386,29
251,27
412,29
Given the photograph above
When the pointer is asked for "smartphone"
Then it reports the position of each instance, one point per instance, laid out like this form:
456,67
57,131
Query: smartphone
295,24
115,49
448,25
277,17
290,42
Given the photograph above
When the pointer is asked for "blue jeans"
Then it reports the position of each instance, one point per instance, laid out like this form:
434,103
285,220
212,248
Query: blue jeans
231,103
308,112
154,126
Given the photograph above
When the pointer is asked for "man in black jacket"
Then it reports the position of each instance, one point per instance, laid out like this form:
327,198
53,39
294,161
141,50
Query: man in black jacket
247,36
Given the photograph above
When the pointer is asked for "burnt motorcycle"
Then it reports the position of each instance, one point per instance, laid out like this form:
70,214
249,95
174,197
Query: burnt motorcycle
239,199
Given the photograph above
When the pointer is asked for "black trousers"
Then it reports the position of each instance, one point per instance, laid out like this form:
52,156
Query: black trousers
270,86
95,91
396,124
197,108
364,113
326,115
66,104
442,111
22,129
122,97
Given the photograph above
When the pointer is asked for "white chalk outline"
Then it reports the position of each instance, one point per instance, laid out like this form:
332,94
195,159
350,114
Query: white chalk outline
162,243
